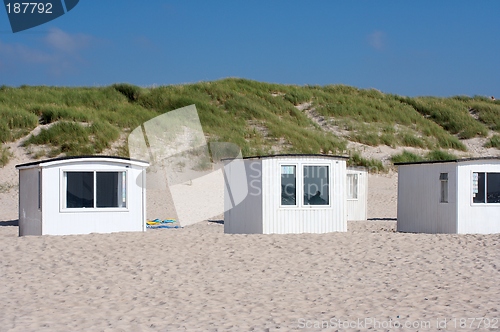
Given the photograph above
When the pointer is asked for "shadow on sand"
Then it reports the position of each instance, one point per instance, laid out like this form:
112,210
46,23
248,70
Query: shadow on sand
382,219
9,222
221,222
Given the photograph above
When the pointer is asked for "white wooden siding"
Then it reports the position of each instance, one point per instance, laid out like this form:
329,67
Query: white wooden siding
55,219
303,219
476,218
59,221
357,208
260,212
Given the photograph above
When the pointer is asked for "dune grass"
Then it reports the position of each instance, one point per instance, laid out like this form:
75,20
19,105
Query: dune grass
451,114
16,122
258,117
434,155
72,138
440,155
494,142
5,154
228,108
406,157
486,110
373,112
373,165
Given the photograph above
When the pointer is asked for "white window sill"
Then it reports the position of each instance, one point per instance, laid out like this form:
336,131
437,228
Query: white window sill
88,210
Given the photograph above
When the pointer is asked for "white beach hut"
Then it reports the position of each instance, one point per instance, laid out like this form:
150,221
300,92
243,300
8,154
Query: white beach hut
357,193
81,195
460,196
286,194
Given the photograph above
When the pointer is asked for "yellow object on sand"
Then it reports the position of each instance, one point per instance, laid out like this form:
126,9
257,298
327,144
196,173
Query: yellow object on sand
152,222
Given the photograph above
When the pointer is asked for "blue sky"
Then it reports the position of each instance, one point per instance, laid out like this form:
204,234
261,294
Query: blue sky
440,48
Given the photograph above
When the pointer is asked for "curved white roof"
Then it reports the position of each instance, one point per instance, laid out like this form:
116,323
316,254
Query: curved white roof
83,159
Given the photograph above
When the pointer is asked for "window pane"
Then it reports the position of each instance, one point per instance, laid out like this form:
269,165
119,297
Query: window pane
444,187
110,191
316,186
288,185
124,190
39,189
352,186
444,192
79,189
478,187
493,187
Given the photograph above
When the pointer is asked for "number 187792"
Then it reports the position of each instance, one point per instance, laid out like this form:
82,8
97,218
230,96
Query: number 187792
29,8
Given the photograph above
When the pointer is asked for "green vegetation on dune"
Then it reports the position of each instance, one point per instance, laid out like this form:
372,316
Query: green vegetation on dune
494,142
5,154
434,155
451,114
73,138
259,117
373,165
371,112
248,114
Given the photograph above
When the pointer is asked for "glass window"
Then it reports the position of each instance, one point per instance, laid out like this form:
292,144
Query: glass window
316,185
352,186
493,188
109,191
478,188
486,187
288,185
39,189
443,177
79,189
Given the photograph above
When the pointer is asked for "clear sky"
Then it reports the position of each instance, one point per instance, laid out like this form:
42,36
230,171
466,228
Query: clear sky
413,48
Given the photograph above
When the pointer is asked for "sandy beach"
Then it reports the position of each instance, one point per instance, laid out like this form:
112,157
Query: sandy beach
199,279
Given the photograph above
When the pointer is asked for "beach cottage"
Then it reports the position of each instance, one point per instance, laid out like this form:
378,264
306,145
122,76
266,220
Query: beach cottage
285,194
459,196
81,195
357,193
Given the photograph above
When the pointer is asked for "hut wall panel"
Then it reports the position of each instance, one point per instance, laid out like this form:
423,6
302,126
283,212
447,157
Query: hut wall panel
57,221
476,218
30,216
357,209
245,217
419,206
303,219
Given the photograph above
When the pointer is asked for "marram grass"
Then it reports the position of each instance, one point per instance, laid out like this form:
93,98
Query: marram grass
258,117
